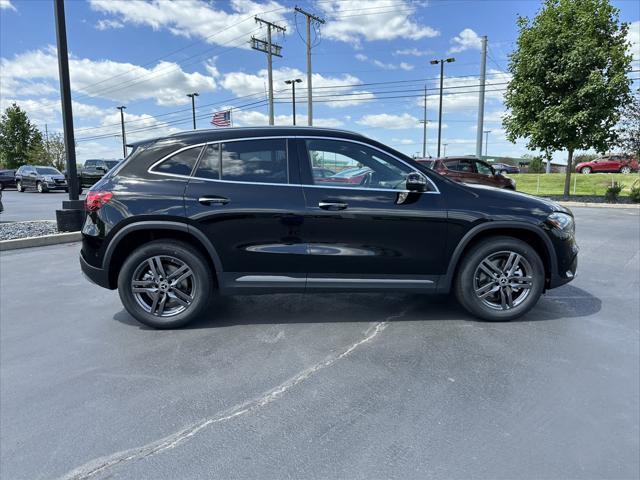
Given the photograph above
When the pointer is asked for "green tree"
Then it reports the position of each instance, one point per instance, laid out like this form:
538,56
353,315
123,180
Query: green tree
20,140
56,154
569,78
629,128
536,165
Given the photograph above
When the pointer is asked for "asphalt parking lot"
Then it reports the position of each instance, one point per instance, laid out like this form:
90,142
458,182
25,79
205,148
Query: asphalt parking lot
31,205
325,386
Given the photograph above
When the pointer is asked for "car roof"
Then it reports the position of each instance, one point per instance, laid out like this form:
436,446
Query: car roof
219,134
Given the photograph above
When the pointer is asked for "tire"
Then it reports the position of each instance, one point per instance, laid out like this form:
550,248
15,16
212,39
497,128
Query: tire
66,190
1,186
586,170
626,169
495,304
19,186
41,188
503,172
172,313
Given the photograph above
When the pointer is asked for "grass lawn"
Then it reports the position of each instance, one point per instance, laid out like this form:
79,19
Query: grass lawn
553,183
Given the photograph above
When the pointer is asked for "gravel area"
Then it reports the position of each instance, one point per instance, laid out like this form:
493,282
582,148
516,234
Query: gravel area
40,228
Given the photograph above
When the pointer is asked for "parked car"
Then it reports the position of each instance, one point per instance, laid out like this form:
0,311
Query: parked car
238,211
355,176
610,164
1,205
505,168
41,178
7,179
469,170
94,170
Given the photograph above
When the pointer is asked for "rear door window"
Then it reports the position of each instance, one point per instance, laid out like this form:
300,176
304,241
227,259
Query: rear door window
259,161
209,165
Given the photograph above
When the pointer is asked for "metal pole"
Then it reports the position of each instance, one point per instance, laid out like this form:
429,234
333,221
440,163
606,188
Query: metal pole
193,107
269,67
65,94
124,137
440,108
293,94
483,79
444,153
424,127
486,141
309,82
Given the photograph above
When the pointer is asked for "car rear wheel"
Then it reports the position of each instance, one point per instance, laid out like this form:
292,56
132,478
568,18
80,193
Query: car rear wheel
586,170
165,284
500,279
625,169
19,186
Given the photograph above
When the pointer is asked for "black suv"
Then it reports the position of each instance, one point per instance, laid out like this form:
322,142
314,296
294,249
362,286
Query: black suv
42,178
94,170
239,211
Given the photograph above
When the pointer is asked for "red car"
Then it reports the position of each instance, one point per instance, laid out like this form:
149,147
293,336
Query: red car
468,170
610,164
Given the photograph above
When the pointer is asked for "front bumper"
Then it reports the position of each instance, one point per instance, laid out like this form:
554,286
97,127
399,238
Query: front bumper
56,185
96,275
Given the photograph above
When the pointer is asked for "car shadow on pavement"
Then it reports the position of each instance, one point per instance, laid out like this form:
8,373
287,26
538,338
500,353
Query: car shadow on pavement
563,303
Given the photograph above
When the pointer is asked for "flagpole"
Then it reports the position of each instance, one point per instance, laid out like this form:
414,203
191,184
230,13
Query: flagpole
231,116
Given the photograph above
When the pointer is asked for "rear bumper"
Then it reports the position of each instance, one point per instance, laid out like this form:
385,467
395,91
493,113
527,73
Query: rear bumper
96,275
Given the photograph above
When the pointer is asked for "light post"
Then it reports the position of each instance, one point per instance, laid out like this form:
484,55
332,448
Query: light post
442,61
444,154
293,94
124,137
486,141
193,107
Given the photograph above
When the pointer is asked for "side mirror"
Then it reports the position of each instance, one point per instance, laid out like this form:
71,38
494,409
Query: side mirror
416,182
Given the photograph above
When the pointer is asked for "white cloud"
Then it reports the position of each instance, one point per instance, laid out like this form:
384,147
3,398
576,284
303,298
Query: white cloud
196,18
357,20
166,82
465,40
241,83
385,66
389,121
403,141
106,24
633,36
414,52
248,118
7,5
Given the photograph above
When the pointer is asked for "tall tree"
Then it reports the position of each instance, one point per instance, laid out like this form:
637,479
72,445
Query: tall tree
569,78
20,140
629,128
56,153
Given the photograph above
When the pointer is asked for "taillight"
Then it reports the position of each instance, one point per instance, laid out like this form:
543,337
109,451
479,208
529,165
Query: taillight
96,200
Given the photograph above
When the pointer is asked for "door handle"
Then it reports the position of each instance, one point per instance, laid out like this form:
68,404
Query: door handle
213,200
332,205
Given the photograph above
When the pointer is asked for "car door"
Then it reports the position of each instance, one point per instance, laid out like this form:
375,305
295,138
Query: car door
29,179
245,195
374,233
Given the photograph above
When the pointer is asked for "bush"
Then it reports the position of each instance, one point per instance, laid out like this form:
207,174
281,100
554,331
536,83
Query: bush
613,192
536,165
634,193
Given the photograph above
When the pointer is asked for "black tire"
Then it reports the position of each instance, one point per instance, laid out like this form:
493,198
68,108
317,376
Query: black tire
494,247
19,186
200,283
1,186
66,190
41,188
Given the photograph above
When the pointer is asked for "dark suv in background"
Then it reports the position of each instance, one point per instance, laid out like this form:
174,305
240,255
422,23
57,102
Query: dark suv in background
42,178
239,210
94,170
469,170
7,179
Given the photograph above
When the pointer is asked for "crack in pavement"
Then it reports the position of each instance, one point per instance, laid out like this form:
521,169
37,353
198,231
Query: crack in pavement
99,465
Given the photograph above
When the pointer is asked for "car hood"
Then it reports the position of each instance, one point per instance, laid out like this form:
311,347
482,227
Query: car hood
530,202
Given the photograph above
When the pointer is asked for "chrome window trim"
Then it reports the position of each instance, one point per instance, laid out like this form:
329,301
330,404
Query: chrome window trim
304,185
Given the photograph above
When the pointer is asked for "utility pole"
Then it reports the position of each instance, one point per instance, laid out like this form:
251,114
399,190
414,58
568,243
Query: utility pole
46,140
442,61
424,126
483,79
310,18
71,217
270,49
193,107
444,154
486,141
124,137
293,94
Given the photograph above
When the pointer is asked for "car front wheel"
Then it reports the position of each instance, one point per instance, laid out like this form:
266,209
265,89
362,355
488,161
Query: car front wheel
41,188
625,169
19,186
500,279
165,284
586,170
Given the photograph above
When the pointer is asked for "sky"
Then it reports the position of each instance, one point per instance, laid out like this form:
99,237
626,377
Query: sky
370,63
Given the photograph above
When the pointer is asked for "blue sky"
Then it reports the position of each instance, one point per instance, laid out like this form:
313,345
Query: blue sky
371,62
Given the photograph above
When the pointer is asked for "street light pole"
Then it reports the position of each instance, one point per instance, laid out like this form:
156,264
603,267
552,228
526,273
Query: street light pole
444,154
442,61
486,141
193,107
293,94
124,137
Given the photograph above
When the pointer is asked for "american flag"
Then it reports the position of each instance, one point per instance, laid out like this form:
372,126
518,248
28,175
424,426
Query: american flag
222,119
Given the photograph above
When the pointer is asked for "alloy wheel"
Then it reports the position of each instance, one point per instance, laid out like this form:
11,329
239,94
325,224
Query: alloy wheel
625,170
503,280
586,170
163,286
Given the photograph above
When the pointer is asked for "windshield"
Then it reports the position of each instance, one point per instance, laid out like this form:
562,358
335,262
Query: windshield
111,163
47,171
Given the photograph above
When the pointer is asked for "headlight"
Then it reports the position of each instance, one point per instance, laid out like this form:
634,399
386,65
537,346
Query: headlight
48,179
562,221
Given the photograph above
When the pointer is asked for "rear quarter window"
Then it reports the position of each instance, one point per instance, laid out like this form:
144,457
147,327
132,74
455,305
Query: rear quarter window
181,163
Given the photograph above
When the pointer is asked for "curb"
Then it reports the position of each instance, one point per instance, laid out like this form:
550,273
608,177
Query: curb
600,205
43,241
